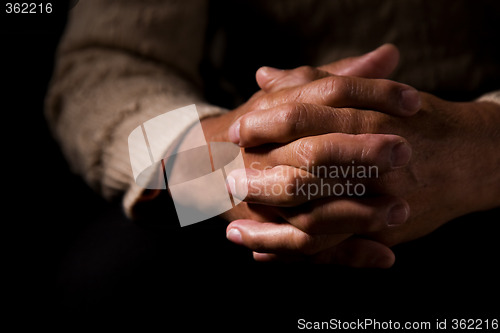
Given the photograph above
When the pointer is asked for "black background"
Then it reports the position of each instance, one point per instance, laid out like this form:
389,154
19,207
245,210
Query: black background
74,261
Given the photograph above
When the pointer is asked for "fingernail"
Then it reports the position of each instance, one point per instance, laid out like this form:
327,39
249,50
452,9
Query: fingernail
263,257
234,235
397,215
237,182
234,132
232,184
400,155
410,100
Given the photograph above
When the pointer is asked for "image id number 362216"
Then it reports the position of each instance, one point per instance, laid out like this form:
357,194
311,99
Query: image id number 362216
28,8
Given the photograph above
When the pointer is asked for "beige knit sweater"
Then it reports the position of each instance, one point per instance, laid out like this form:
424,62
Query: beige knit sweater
121,63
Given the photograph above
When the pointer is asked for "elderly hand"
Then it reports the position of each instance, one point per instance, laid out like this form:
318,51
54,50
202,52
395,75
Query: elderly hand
453,170
385,152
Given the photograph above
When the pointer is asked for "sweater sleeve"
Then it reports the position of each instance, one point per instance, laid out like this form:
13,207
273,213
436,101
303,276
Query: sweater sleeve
119,64
493,97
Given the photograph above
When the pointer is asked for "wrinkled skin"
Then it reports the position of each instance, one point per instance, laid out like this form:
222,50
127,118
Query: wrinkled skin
435,164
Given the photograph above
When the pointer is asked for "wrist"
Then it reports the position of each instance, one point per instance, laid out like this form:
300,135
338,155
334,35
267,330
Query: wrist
216,128
484,120
492,114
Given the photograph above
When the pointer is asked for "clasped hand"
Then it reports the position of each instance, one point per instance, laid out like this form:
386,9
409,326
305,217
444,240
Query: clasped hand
344,125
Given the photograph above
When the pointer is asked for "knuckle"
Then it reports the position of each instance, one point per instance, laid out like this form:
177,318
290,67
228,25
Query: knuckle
288,189
373,148
280,187
291,183
287,113
346,121
337,151
290,116
354,121
307,73
336,90
373,122
377,149
261,103
246,132
306,153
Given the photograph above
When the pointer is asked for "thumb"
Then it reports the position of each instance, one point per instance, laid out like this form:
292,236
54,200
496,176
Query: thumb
379,64
353,252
